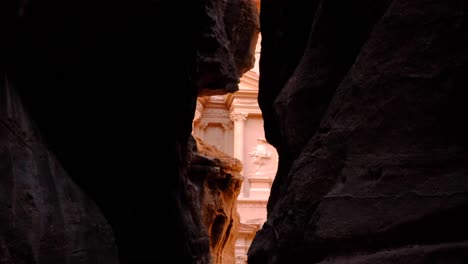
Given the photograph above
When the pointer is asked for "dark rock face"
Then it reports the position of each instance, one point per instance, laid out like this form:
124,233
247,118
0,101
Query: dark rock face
226,45
92,76
363,101
44,215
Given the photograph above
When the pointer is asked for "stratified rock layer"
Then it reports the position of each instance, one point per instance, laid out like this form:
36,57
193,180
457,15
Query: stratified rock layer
364,101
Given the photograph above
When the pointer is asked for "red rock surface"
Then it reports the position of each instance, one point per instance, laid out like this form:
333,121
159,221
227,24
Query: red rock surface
218,193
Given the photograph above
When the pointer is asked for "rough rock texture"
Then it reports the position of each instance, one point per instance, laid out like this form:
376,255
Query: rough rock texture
91,75
365,103
95,76
226,47
215,180
215,72
44,215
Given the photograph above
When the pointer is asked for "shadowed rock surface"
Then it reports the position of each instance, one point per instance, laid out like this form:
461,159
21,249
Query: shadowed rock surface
226,45
44,215
364,101
91,76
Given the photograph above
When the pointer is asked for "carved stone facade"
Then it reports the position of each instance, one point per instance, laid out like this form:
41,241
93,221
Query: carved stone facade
233,123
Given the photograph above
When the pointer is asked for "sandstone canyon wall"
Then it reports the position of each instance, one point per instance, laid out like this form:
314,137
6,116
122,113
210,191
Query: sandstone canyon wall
215,180
220,62
100,184
44,216
365,103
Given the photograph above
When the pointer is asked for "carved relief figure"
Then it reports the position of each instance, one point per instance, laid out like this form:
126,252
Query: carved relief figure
260,154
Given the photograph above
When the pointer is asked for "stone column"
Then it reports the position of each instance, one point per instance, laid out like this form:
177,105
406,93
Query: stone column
227,126
239,122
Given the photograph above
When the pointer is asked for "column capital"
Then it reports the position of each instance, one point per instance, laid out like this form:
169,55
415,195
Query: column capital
202,124
227,125
238,116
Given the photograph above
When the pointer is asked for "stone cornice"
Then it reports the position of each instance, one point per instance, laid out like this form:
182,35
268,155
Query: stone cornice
202,100
248,228
245,101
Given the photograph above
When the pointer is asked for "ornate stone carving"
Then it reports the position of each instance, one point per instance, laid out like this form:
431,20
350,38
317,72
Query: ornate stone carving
227,125
245,101
203,124
237,116
260,154
215,112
